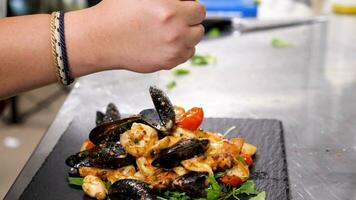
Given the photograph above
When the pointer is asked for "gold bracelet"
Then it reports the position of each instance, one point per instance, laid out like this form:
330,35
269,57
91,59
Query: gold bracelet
53,42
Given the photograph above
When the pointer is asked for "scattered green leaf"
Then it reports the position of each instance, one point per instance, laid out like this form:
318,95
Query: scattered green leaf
78,181
171,85
214,33
248,188
181,72
202,60
214,190
279,43
260,196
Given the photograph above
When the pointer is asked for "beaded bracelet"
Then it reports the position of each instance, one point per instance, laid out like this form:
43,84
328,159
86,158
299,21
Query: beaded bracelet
59,51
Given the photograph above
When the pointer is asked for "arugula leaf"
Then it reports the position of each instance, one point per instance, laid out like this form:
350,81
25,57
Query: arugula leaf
78,181
202,59
214,190
181,72
248,188
171,85
260,196
279,43
214,33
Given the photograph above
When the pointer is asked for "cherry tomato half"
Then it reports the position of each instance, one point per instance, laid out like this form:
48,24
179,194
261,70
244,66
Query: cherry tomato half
191,119
247,158
231,180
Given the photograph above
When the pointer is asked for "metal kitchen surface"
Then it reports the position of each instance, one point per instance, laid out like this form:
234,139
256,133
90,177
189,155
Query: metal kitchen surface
310,87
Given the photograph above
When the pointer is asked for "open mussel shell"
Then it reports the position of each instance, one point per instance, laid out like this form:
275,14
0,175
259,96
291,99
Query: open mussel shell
110,132
151,117
186,149
131,189
164,108
193,184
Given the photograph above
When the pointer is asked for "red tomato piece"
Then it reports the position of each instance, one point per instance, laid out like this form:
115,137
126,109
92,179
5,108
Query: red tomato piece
231,180
191,119
247,158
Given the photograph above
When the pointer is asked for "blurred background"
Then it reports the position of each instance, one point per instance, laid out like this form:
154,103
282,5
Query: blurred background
24,118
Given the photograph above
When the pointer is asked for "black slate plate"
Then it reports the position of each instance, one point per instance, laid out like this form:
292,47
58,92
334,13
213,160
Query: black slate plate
269,170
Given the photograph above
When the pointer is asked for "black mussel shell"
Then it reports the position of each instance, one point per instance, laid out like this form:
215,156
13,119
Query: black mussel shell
106,155
99,118
112,113
79,159
110,132
151,117
164,108
110,155
131,189
186,149
193,184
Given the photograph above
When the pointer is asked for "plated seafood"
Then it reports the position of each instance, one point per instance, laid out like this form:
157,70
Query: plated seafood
158,150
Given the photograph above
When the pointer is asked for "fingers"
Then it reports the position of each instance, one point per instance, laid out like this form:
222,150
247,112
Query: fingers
193,12
195,34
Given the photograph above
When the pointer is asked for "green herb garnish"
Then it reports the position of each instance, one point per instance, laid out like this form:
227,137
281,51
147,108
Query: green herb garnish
136,141
171,85
260,196
279,43
78,181
214,190
202,60
214,33
181,72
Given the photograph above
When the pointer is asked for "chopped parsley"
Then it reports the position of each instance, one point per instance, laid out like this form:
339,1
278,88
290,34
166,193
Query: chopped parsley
171,85
181,72
279,43
200,60
214,33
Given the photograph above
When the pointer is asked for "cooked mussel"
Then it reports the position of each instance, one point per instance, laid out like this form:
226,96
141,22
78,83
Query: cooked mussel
164,110
99,118
186,149
131,189
193,184
110,132
106,155
111,114
78,159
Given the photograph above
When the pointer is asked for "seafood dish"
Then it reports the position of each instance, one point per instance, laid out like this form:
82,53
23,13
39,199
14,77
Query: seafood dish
161,153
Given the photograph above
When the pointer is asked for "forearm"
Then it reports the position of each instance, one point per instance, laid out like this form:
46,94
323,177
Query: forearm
25,54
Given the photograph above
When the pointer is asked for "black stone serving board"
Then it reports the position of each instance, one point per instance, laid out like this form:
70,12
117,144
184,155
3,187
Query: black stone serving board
269,170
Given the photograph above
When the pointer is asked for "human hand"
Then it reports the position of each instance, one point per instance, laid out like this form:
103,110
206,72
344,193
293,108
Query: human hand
138,35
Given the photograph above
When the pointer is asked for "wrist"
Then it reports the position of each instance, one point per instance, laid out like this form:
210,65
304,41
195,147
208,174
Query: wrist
83,54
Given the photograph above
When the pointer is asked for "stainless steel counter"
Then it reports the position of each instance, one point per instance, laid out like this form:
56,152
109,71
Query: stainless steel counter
311,87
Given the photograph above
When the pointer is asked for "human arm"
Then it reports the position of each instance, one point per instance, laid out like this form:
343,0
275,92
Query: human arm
137,35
